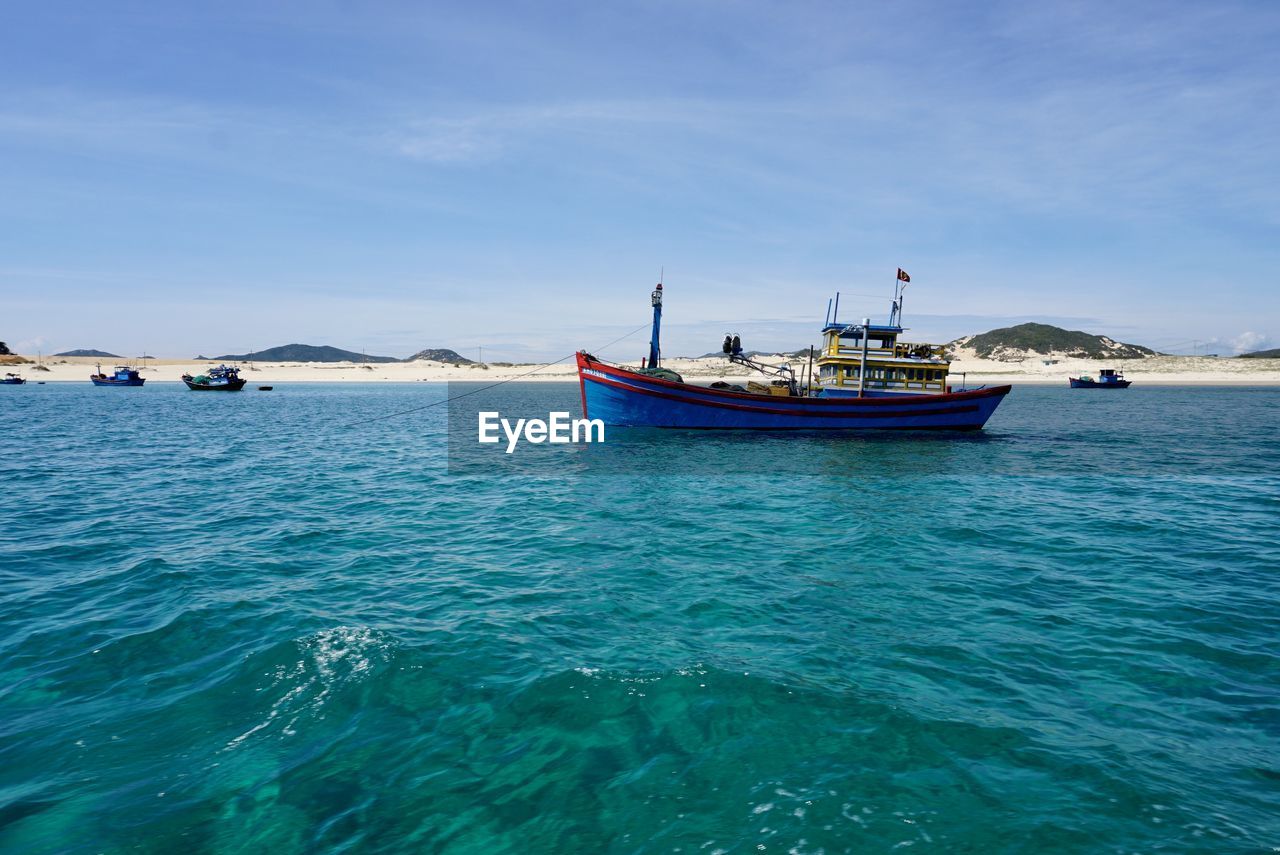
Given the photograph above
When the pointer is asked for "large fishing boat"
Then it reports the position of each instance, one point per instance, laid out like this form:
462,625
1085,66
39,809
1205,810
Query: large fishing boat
866,380
12,380
220,379
122,376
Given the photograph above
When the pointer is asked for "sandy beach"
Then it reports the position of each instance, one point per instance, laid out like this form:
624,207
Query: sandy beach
1166,370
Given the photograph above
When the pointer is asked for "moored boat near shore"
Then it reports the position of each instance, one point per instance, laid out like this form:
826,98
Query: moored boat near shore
1108,378
867,380
220,379
122,376
12,380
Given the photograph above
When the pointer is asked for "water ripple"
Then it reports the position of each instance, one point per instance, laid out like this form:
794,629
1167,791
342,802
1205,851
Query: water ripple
245,630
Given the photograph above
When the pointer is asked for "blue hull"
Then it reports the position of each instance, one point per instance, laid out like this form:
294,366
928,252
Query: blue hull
1077,383
626,398
110,382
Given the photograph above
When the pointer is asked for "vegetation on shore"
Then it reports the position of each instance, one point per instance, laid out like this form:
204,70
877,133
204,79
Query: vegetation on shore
441,354
1273,353
7,357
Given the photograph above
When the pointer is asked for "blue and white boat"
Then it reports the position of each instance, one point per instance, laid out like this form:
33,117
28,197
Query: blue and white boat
866,380
122,376
1108,378
12,380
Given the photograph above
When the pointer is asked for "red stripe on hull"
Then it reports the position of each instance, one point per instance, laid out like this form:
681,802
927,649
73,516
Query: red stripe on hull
796,411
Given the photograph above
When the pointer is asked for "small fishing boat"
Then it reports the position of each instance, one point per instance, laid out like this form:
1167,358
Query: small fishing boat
220,379
1108,378
866,379
12,380
122,376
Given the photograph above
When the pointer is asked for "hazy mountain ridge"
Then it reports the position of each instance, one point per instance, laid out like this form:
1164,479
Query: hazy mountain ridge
301,353
328,353
1012,344
1273,353
88,351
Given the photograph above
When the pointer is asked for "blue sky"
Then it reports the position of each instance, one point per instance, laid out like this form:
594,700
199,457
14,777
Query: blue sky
220,177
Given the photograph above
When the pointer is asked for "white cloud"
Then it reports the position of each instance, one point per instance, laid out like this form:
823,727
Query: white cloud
1249,341
485,133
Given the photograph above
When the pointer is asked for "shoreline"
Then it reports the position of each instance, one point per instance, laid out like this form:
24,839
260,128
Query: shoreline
1158,371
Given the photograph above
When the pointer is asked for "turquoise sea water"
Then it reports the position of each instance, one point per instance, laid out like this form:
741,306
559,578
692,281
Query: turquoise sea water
242,624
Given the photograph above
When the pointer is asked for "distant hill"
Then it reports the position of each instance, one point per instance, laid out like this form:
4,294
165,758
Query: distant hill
301,353
100,354
441,354
1011,344
1273,353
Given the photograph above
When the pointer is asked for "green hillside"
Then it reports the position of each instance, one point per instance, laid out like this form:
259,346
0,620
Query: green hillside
1273,353
1023,340
441,354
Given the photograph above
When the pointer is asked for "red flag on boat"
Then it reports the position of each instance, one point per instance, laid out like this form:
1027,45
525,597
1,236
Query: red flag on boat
902,275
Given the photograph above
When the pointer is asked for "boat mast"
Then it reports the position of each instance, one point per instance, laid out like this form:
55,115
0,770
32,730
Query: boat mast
862,370
655,352
899,292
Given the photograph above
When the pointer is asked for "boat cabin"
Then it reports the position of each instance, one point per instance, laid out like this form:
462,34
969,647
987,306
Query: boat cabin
892,366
